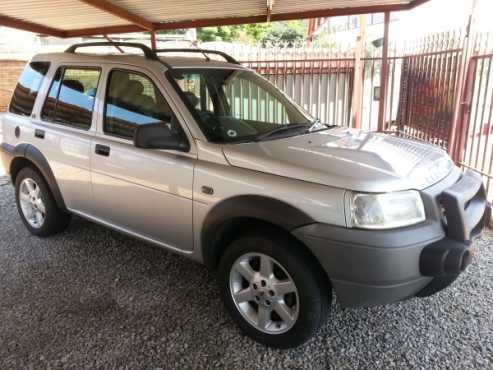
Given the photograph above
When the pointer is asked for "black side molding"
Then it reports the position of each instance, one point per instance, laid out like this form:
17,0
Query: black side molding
255,207
7,149
7,153
33,154
259,207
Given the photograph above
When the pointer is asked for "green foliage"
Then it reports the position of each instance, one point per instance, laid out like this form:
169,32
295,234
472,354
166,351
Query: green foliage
179,31
221,33
291,31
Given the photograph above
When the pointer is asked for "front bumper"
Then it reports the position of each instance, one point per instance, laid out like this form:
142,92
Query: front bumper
369,267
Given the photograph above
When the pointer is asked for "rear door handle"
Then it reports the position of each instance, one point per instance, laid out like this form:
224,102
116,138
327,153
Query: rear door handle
102,150
40,134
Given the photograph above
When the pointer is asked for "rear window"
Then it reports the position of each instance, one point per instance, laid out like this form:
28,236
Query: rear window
71,102
27,88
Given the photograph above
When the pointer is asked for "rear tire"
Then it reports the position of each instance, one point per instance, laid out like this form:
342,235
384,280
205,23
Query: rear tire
36,205
254,296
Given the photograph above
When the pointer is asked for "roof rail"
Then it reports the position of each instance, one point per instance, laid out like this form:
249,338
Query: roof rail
148,52
226,57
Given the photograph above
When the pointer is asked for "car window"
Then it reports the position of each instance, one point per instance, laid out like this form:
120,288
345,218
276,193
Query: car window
196,92
236,105
48,111
250,101
27,88
71,98
132,99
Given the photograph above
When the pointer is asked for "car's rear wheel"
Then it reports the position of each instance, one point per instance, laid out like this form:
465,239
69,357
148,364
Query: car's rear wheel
36,205
273,289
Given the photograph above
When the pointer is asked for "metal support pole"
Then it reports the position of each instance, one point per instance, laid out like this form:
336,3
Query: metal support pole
116,46
153,40
460,104
384,75
359,75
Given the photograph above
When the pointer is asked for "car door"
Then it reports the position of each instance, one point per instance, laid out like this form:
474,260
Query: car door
64,128
141,191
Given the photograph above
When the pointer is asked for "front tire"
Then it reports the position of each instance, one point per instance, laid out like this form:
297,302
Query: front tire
36,205
273,289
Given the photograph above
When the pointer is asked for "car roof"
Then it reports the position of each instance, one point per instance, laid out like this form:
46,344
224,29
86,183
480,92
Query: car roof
137,60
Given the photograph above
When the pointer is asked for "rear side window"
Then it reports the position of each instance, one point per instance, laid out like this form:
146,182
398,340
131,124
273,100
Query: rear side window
27,88
132,99
70,100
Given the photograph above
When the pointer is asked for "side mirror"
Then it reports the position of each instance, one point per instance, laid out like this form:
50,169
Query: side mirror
159,136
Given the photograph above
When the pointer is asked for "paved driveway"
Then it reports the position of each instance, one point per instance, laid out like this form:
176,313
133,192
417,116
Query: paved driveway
92,298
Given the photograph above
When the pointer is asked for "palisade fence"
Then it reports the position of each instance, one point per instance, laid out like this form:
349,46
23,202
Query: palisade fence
318,78
423,83
474,148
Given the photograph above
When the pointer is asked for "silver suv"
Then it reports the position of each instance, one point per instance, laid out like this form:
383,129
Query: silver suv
209,160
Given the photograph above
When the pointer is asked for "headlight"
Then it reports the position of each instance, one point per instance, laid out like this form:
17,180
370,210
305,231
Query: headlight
385,211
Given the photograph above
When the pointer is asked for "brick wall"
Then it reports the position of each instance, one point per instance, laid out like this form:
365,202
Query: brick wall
9,73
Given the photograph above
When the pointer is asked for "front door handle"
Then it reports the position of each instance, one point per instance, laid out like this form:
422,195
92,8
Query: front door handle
103,150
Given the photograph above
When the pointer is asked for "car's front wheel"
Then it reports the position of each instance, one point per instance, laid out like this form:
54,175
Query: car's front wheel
36,205
273,289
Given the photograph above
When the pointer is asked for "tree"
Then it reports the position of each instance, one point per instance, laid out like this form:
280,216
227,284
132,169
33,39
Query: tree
291,32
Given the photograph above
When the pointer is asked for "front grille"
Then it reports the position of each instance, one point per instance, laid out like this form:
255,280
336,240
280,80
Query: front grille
465,207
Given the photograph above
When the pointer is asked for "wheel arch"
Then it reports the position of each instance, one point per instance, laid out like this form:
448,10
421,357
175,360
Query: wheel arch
237,216
28,155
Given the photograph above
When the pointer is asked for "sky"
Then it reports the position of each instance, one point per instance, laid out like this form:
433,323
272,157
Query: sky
432,17
445,15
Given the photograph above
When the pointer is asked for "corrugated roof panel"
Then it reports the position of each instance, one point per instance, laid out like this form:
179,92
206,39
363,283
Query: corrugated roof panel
67,15
170,10
62,14
292,6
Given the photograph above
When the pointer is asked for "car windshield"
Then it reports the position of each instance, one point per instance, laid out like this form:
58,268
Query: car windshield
234,105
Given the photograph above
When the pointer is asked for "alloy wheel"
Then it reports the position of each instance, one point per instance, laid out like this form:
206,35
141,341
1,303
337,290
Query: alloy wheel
264,293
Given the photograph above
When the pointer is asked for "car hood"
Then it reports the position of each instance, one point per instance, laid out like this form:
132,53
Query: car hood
346,158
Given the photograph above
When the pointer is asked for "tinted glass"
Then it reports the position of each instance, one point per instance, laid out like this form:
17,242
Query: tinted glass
131,100
236,105
76,96
27,88
48,112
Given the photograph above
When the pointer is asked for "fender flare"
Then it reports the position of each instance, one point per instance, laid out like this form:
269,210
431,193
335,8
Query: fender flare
33,155
261,208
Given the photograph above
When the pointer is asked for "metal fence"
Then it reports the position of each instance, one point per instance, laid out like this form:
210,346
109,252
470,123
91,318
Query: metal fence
428,89
321,86
317,77
475,144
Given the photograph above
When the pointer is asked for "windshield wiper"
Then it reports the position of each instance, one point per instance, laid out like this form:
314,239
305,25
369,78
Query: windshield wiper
280,130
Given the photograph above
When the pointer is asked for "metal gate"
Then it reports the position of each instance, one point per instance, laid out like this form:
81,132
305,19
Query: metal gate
476,132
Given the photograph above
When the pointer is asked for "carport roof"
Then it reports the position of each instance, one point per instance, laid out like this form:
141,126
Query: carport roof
74,18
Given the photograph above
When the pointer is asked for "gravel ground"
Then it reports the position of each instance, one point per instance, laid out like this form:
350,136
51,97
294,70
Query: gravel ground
92,298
